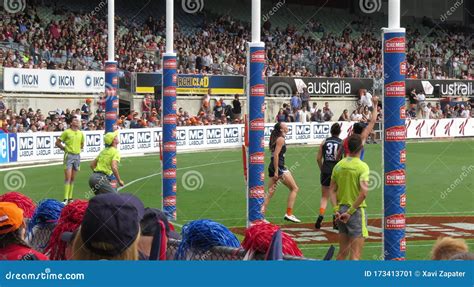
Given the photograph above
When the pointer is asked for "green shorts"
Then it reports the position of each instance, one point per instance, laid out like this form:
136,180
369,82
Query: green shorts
357,224
72,161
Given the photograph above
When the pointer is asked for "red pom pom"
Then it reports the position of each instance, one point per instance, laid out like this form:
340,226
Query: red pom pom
69,221
258,237
22,201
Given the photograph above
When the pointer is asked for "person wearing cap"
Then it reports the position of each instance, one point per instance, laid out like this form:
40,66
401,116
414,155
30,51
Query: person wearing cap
110,228
12,235
86,110
105,166
73,140
148,228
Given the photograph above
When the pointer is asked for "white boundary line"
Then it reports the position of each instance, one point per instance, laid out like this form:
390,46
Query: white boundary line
187,167
183,168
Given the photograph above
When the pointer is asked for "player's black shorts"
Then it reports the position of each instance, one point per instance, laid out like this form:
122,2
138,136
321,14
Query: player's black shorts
326,179
281,170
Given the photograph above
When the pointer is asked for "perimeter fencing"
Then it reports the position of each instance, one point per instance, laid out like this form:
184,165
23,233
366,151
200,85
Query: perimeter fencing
218,253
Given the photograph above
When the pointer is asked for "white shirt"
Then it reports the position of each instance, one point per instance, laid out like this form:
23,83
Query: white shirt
465,114
366,100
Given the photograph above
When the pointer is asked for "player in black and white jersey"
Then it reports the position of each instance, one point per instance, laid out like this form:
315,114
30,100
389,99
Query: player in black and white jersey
329,154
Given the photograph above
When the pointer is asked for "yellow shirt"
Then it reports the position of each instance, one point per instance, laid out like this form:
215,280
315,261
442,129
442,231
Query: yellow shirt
348,173
105,158
73,141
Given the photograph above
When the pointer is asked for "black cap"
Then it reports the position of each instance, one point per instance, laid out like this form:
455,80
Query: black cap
111,223
358,128
150,220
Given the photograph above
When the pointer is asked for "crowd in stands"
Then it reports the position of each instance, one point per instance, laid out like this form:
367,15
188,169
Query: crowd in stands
301,108
211,112
78,42
109,226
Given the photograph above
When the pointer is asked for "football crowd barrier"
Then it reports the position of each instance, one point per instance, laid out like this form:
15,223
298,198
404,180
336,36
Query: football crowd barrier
35,147
218,253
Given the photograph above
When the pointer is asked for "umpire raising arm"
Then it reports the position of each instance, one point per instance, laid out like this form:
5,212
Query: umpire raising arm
105,166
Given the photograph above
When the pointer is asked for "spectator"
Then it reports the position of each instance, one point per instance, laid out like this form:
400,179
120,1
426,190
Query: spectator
421,105
60,243
436,112
303,115
110,228
218,110
465,112
318,116
356,116
411,113
366,114
12,235
345,116
237,108
295,102
146,106
86,110
148,227
412,99
426,112
2,105
366,99
281,116
305,97
314,108
327,113
447,247
42,223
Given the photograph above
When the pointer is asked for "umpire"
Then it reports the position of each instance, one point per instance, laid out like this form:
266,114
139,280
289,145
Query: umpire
105,166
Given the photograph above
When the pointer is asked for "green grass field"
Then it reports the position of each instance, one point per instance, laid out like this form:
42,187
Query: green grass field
211,185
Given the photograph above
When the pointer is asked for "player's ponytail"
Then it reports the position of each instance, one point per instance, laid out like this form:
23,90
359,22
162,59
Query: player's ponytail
276,133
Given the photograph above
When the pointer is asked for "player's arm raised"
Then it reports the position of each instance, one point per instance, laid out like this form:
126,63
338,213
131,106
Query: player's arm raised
373,119
319,156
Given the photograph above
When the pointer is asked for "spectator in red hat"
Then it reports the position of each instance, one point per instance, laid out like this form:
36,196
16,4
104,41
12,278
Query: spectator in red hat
60,243
12,235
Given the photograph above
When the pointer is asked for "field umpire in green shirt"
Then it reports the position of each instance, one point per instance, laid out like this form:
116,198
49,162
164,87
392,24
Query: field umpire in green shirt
73,140
105,166
350,179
